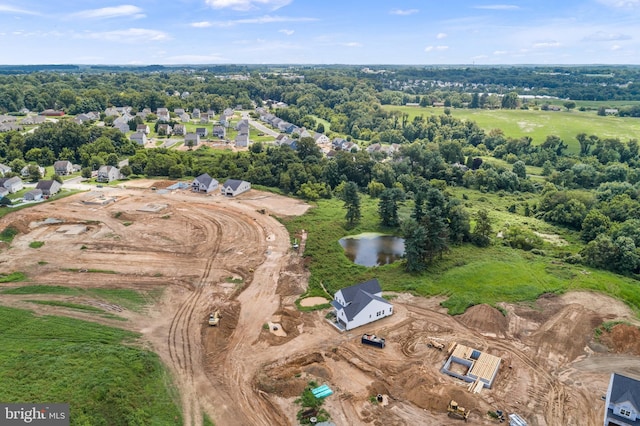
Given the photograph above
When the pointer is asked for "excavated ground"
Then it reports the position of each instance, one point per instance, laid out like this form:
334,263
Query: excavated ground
213,252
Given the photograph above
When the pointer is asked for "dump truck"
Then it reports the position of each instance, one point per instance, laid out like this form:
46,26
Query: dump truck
214,318
457,412
436,345
373,340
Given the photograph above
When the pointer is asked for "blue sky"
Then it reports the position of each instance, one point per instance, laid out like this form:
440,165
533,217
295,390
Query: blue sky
320,32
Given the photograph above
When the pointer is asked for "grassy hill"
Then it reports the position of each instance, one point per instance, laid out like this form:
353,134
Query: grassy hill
539,124
467,275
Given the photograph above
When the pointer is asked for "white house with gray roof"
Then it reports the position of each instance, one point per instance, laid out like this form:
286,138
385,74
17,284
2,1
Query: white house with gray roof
233,187
622,406
204,183
13,184
360,304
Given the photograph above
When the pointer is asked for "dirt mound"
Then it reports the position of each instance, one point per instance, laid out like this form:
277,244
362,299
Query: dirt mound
623,339
289,320
486,319
565,335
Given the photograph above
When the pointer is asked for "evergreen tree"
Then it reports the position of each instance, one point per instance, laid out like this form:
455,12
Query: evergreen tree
352,203
415,238
482,232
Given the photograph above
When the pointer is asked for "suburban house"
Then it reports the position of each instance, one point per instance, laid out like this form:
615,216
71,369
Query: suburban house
49,187
3,191
63,168
13,184
4,169
195,113
33,195
123,127
139,138
179,129
202,131
143,128
321,138
622,407
164,129
191,139
24,172
185,117
233,187
179,111
360,304
33,119
242,140
219,131
108,174
204,118
52,113
204,183
163,114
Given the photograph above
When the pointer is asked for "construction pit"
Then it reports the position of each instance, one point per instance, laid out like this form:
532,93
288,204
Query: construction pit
214,252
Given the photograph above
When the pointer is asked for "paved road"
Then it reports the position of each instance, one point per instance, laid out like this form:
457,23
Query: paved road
261,127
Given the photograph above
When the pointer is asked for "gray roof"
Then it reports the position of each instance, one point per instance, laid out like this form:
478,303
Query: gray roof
205,179
34,192
625,388
359,302
45,184
372,286
233,183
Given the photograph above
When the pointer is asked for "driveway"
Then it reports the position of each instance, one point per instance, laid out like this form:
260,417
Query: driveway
259,126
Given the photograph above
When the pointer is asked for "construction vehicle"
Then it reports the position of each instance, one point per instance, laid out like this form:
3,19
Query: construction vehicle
457,412
436,345
373,340
214,318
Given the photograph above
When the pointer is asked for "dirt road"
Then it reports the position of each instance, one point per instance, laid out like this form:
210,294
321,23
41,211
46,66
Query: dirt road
216,253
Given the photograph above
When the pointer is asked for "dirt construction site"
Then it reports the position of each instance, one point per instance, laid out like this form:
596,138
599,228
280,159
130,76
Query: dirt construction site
203,253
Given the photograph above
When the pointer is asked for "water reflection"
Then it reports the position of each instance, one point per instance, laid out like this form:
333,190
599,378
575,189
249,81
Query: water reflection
373,249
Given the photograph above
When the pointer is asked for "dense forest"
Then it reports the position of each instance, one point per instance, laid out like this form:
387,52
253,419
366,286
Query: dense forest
594,192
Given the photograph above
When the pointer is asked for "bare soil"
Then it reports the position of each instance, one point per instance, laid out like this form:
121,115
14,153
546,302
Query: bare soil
209,252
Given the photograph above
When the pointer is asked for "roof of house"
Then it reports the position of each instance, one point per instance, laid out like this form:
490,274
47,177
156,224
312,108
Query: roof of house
372,286
625,388
45,184
205,179
34,192
61,163
233,183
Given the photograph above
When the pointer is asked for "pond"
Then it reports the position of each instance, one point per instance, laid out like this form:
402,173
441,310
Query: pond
373,249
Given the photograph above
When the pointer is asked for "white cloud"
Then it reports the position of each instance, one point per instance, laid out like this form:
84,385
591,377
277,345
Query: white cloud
605,36
5,8
545,44
621,4
286,32
438,48
616,47
131,35
440,36
203,24
247,4
498,7
500,52
266,19
110,12
403,12
352,44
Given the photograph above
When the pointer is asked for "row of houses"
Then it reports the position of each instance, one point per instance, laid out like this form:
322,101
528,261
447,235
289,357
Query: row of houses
231,187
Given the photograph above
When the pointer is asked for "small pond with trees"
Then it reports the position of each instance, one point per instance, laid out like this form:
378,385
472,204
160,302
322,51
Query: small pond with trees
372,249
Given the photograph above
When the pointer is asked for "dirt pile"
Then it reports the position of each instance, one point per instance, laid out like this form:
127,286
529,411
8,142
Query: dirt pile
622,339
485,319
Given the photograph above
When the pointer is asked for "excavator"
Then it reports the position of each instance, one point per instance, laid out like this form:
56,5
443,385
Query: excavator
214,318
457,412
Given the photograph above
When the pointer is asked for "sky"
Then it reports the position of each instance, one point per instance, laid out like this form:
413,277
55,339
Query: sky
362,32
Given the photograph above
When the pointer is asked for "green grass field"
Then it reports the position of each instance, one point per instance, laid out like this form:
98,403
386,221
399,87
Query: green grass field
539,124
98,370
467,275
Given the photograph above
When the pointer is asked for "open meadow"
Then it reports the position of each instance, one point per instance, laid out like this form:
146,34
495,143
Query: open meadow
539,124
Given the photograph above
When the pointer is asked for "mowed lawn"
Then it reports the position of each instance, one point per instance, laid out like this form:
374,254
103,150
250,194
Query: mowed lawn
539,124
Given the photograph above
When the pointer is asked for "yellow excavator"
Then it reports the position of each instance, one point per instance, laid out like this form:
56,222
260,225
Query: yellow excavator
456,411
214,318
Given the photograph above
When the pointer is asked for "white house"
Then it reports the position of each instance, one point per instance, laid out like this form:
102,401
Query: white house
108,174
33,195
4,169
321,138
25,171
622,407
233,187
204,183
13,184
139,138
49,187
360,304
